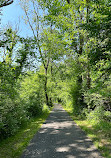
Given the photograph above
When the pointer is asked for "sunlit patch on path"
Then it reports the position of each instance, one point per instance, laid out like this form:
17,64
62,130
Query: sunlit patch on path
60,137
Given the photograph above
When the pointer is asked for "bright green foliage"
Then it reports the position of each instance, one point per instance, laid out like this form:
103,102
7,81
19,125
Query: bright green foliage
14,145
32,94
12,116
72,44
14,59
85,29
96,115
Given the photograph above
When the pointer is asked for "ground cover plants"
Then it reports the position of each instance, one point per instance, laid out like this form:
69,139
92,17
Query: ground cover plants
98,131
13,146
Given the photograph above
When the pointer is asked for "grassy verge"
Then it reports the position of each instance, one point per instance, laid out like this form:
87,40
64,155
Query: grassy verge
99,133
13,146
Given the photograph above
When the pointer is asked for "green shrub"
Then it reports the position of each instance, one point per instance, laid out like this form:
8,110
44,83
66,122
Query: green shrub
34,106
107,116
45,109
96,115
12,116
32,94
76,95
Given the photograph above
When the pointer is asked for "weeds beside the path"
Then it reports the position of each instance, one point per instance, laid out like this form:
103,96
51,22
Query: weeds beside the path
99,133
13,146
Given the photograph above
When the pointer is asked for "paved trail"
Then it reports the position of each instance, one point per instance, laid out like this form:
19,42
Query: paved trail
60,137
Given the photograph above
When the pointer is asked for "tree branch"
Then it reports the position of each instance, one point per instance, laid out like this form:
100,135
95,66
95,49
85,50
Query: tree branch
41,55
29,22
68,1
8,2
37,17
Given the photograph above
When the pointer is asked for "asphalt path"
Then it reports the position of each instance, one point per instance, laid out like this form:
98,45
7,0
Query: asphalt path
60,137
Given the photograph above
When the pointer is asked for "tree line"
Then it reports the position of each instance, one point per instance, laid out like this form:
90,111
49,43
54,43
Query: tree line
67,60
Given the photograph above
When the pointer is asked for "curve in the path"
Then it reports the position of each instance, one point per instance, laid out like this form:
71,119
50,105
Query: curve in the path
60,137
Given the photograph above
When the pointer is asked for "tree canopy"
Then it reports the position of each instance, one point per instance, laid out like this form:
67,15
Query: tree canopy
67,59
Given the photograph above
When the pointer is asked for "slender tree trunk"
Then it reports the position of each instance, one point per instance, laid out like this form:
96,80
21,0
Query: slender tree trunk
81,44
80,79
45,87
88,66
88,80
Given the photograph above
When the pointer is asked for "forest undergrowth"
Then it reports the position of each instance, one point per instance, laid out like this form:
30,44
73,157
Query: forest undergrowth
13,146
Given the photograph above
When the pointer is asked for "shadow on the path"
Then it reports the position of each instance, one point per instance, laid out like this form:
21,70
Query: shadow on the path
60,137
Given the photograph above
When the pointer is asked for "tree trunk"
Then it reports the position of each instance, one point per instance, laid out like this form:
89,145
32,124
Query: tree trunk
79,78
88,66
88,77
45,87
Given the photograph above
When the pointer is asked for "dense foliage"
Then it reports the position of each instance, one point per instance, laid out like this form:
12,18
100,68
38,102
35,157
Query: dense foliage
67,60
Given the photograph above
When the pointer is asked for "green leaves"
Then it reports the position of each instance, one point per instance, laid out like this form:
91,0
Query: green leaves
72,45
